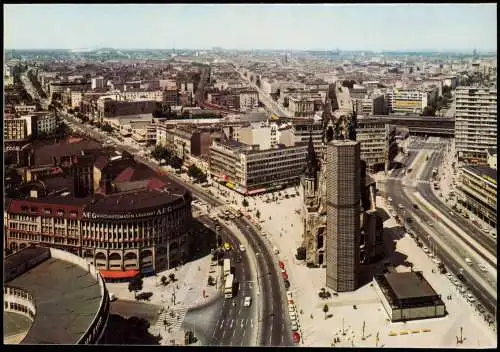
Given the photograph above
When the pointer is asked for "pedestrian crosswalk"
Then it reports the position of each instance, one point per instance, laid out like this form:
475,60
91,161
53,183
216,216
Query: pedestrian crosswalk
173,316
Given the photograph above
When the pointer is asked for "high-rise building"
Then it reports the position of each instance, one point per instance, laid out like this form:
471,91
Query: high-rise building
343,168
475,123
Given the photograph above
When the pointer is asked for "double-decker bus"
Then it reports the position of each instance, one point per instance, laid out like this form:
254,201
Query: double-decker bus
227,267
228,286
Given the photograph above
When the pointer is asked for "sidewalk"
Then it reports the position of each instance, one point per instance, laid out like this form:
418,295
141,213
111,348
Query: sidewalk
191,281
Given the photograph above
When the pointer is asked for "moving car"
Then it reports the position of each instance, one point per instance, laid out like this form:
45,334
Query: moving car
426,250
468,261
401,206
483,268
389,199
242,248
247,302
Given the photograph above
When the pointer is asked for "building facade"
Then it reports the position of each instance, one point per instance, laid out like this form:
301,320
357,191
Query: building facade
249,170
343,215
475,123
477,192
404,101
378,143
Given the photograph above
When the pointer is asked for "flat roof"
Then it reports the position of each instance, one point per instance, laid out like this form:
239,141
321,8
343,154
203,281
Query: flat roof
67,298
409,285
482,171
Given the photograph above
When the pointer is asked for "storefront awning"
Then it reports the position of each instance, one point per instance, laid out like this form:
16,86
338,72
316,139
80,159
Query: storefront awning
115,274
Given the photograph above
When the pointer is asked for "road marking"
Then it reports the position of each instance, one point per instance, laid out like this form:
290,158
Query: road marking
282,337
215,330
242,320
270,336
221,323
234,332
223,333
231,325
251,323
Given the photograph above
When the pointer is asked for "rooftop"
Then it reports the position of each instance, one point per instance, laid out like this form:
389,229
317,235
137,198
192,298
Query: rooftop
66,298
409,285
482,171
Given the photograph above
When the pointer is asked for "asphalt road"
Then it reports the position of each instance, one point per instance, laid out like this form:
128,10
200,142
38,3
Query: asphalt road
277,332
395,190
235,322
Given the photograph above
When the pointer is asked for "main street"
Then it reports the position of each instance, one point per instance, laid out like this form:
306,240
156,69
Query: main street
234,323
433,231
273,106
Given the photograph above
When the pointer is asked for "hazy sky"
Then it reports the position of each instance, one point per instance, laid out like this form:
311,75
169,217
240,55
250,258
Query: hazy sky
346,27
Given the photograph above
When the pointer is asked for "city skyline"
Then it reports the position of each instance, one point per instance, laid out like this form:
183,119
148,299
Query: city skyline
413,27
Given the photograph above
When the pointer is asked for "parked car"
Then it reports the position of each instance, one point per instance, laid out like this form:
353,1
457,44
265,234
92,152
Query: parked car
294,325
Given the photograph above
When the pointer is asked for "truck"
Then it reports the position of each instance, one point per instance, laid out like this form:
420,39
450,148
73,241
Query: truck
228,286
227,267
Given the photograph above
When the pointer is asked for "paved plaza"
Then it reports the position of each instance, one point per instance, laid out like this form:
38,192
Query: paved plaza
191,281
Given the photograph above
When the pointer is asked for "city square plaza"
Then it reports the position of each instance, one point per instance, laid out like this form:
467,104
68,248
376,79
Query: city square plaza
281,223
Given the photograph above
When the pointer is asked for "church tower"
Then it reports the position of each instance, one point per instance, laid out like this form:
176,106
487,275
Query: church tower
310,178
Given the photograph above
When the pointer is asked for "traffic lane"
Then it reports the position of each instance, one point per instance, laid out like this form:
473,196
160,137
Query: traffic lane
238,316
451,263
266,287
484,239
278,334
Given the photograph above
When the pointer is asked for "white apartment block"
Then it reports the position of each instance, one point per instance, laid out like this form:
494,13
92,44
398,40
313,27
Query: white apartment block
249,100
475,123
404,101
76,99
98,83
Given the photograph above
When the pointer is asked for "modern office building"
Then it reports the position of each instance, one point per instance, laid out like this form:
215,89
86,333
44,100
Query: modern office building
378,142
343,196
477,192
249,170
475,123
401,101
302,129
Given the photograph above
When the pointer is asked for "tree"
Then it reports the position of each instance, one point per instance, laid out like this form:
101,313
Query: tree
257,214
106,127
171,276
163,280
325,309
244,202
301,253
429,111
135,285
176,162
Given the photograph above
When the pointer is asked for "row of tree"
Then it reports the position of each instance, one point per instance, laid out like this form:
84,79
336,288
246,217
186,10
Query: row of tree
196,173
161,153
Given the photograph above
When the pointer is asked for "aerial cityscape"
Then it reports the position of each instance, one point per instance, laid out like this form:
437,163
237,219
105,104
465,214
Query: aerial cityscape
250,175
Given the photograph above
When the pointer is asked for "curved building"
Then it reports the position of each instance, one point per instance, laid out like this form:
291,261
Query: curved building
53,297
122,225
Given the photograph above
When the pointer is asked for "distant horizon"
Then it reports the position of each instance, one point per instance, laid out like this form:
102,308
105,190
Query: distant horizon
292,27
460,51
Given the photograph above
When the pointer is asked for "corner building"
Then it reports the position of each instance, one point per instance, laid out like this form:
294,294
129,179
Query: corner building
343,215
